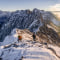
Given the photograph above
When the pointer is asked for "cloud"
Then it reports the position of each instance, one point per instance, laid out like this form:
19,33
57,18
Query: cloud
54,7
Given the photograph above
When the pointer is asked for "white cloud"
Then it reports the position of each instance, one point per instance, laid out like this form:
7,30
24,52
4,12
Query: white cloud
54,7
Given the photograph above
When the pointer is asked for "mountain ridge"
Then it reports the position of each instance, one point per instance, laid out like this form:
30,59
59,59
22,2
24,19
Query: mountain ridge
26,19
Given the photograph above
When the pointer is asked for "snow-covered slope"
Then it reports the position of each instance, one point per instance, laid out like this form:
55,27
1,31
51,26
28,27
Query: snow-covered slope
27,49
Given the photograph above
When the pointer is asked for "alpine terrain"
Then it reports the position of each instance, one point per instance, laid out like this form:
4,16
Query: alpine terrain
42,23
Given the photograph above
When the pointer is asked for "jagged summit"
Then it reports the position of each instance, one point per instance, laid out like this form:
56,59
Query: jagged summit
21,19
26,19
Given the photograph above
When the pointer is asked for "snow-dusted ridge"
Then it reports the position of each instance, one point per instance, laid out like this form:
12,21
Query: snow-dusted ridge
27,49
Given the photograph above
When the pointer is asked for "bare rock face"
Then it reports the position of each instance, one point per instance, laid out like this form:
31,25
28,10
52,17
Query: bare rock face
49,34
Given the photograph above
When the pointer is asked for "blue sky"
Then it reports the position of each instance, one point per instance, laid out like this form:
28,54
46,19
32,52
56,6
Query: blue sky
12,5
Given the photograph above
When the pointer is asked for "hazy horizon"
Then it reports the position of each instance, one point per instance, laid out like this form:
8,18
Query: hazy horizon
13,5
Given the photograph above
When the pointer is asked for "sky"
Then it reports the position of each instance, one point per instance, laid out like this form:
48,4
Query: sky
12,5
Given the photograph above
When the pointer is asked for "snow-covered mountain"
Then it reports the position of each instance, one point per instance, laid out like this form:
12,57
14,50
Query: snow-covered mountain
46,46
23,19
27,49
